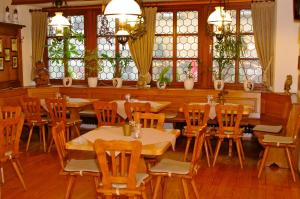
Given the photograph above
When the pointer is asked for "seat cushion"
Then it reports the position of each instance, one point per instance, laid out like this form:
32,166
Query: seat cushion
140,177
278,139
89,165
171,166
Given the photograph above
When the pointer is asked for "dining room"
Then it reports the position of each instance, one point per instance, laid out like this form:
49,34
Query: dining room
149,99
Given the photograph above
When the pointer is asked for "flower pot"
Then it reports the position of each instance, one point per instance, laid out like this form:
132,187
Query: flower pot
92,81
188,84
67,81
161,85
218,84
117,82
248,85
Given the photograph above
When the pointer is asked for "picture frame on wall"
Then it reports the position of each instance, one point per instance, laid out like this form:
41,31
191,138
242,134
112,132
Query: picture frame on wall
7,54
1,63
14,62
1,46
14,45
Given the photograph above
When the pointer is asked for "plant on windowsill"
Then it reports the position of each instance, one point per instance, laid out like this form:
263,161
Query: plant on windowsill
189,81
119,63
60,51
226,49
92,66
163,78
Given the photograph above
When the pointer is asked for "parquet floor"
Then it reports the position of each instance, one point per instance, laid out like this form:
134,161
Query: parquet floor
225,180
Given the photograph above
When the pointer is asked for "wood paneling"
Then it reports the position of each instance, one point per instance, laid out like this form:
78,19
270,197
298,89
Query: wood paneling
11,77
45,92
12,97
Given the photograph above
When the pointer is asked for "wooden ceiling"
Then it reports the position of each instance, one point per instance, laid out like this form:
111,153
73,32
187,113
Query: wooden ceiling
154,2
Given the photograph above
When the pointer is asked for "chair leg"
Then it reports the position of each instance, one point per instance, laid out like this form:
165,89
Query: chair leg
2,175
185,188
207,152
263,161
29,137
189,139
158,180
50,145
144,195
217,150
77,129
44,137
207,138
70,186
288,153
230,148
195,188
19,165
18,173
238,148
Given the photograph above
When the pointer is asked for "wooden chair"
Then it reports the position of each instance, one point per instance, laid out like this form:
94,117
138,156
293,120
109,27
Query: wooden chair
131,107
106,113
119,168
57,109
196,116
288,143
229,118
32,110
10,112
10,132
72,167
186,171
150,120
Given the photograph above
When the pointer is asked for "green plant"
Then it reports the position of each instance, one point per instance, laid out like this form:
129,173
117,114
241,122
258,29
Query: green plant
92,64
61,49
227,49
163,75
118,62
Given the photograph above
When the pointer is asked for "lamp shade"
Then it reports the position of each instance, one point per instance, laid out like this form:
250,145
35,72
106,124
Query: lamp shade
59,20
123,9
219,17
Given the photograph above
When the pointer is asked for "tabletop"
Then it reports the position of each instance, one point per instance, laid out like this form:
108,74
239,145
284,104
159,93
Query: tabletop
154,141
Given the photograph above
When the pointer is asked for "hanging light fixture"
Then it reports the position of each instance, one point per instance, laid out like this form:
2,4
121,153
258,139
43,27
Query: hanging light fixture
59,22
220,17
131,22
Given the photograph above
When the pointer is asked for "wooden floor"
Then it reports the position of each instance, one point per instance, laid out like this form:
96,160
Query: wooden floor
225,180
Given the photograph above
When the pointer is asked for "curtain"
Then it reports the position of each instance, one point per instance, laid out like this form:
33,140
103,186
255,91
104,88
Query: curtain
39,21
263,15
142,48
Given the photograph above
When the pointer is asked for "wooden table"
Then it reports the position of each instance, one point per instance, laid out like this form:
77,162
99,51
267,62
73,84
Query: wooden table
74,105
155,106
156,149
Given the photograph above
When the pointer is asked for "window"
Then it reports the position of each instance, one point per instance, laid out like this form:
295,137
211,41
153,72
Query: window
247,66
178,49
75,63
110,47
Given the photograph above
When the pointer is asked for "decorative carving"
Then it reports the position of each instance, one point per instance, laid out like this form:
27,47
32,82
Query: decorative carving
287,84
42,74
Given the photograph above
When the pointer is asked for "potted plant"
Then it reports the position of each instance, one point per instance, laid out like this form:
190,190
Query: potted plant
226,50
163,78
119,63
189,81
92,66
60,51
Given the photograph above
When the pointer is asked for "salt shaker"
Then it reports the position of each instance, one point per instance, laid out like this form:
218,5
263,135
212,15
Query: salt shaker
137,130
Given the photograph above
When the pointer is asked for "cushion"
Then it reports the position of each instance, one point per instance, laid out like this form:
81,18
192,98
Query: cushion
268,128
171,166
89,165
140,177
278,139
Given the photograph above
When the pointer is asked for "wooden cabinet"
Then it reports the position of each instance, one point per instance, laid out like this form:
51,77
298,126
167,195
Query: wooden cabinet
11,74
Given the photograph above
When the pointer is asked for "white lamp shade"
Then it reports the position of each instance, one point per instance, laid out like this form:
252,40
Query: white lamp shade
219,17
123,9
59,20
122,33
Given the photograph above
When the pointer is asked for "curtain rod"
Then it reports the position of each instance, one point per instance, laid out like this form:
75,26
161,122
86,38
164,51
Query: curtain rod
36,10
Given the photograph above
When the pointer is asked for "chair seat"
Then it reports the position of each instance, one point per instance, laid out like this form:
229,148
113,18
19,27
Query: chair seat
35,122
171,166
72,122
140,177
89,165
8,153
278,139
192,133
